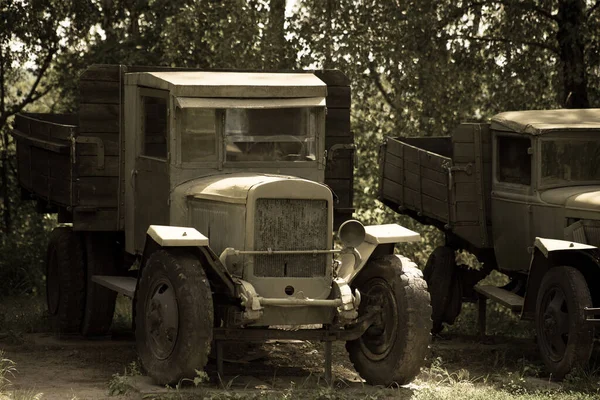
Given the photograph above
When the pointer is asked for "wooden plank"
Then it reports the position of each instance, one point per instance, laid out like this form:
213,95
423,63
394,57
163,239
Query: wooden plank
101,72
337,122
394,160
434,190
440,176
88,166
464,133
48,163
55,189
109,140
97,191
393,172
44,126
120,284
435,208
465,152
339,167
101,219
99,92
417,156
465,191
343,190
101,118
467,211
425,186
391,190
338,97
509,299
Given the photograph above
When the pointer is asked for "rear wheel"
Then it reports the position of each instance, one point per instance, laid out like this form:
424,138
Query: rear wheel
174,316
394,348
564,338
102,259
65,280
440,273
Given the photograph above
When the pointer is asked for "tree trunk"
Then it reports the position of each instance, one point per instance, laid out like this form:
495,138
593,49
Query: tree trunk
275,35
571,41
4,180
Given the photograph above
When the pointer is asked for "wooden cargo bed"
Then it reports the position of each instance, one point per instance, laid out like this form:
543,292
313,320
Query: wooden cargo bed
74,164
441,181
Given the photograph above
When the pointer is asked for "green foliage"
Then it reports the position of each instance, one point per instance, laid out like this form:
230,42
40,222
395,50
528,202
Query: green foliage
121,384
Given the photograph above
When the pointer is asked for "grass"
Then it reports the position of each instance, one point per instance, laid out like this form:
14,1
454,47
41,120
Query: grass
7,371
23,314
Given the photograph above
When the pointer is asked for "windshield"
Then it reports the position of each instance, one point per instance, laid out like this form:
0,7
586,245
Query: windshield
198,135
570,162
276,134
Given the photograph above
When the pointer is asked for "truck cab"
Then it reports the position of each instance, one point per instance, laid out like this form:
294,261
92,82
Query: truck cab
546,181
188,126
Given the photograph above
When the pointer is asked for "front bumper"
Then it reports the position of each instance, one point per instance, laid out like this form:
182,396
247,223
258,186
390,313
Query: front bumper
341,306
591,314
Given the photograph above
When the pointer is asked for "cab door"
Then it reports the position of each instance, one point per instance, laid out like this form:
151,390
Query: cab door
513,196
151,174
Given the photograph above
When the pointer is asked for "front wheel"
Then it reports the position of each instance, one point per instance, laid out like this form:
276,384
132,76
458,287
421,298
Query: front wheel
394,348
565,339
174,316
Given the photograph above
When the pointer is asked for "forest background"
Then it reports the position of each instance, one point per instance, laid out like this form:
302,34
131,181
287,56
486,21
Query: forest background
417,67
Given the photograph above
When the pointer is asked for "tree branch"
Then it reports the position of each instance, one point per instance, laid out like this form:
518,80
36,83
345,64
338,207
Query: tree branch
32,95
522,5
505,40
2,88
386,96
593,8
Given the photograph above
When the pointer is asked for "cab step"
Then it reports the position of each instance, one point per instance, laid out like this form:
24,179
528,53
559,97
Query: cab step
512,301
120,284
508,299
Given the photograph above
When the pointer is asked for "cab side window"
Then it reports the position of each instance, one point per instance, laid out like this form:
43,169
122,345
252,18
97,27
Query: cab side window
154,127
514,160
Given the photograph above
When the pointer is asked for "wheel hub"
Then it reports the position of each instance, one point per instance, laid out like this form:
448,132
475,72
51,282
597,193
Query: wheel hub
378,340
162,319
555,324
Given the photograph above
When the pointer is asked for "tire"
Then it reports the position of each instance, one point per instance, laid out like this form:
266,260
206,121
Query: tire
564,338
173,346
440,275
393,350
102,259
65,281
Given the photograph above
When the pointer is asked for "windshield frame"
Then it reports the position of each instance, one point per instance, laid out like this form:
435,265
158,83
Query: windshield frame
586,136
220,162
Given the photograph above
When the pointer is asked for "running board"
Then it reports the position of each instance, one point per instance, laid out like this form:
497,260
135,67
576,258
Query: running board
120,284
508,299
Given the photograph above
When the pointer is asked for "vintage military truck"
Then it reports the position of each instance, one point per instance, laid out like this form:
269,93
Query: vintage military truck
523,195
214,184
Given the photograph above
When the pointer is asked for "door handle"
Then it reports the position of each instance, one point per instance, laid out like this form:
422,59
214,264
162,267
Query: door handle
133,177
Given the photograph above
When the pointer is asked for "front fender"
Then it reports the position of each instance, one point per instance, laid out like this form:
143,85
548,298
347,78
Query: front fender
176,236
379,240
160,236
548,253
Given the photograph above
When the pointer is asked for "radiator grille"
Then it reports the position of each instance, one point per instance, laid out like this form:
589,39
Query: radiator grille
290,224
588,232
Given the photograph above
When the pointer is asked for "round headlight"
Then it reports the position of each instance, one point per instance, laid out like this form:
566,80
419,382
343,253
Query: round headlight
351,233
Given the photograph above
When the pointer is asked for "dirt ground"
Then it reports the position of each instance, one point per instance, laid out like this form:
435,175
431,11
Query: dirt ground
81,369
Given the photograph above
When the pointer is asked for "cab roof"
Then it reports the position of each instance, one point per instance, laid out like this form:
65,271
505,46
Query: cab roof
231,84
539,122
